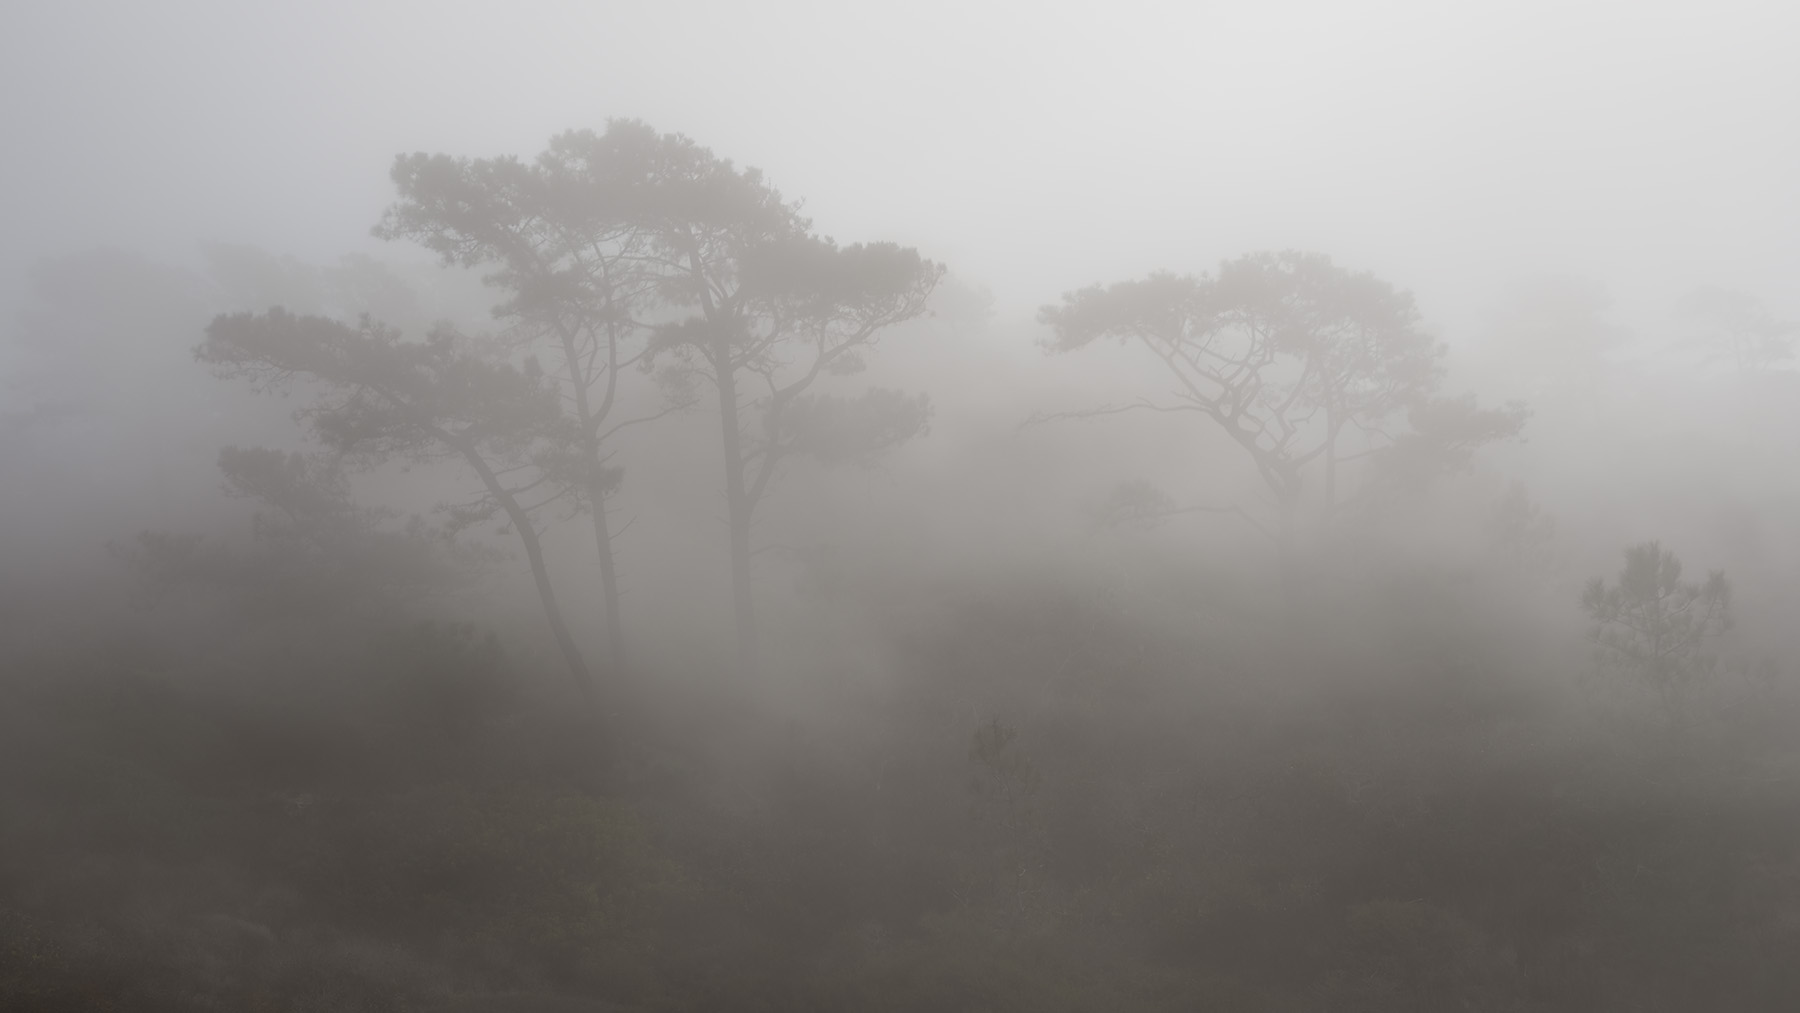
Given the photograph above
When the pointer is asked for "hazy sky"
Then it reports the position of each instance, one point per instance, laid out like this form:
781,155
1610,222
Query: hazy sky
1033,146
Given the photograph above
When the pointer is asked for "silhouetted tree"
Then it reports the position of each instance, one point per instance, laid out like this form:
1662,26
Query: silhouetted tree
1298,360
606,233
1442,436
569,236
1522,529
764,308
381,396
1654,626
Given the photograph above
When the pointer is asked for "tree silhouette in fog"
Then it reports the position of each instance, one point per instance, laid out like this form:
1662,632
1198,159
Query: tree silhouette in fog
1655,627
1300,362
610,238
761,308
380,396
573,249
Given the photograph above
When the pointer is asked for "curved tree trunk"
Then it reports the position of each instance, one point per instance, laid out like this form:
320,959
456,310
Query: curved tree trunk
738,507
596,490
1331,467
540,572
609,575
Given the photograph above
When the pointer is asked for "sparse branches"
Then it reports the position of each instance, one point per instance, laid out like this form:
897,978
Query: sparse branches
1297,360
381,396
761,308
570,239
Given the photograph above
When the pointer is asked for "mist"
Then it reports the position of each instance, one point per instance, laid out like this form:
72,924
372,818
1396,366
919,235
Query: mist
801,506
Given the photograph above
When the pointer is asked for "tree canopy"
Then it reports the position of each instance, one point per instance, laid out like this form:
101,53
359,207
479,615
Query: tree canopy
1299,361
379,395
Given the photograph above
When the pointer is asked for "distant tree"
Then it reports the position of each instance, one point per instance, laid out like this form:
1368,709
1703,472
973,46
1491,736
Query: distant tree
1554,331
379,397
1738,327
762,309
1522,530
1652,625
1300,362
1442,436
962,306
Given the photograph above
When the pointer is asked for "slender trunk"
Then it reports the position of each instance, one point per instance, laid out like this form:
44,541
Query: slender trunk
596,494
540,573
609,574
738,507
1331,463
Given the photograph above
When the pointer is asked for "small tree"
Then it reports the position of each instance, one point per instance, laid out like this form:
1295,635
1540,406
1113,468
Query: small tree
1653,626
1522,530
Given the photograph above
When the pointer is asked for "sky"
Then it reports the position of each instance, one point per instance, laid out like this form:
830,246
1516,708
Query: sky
1034,147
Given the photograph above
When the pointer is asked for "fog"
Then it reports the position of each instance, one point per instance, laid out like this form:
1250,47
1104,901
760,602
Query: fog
1277,506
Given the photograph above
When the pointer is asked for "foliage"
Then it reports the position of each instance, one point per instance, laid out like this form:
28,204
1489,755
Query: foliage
1149,829
570,241
1300,362
1655,627
838,430
381,396
1270,344
312,547
358,802
629,246
385,395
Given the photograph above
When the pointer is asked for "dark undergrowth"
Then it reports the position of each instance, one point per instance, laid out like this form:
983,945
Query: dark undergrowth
1045,801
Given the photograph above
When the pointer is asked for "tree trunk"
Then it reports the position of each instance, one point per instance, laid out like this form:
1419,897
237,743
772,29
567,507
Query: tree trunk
596,493
1331,463
738,508
609,574
540,574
